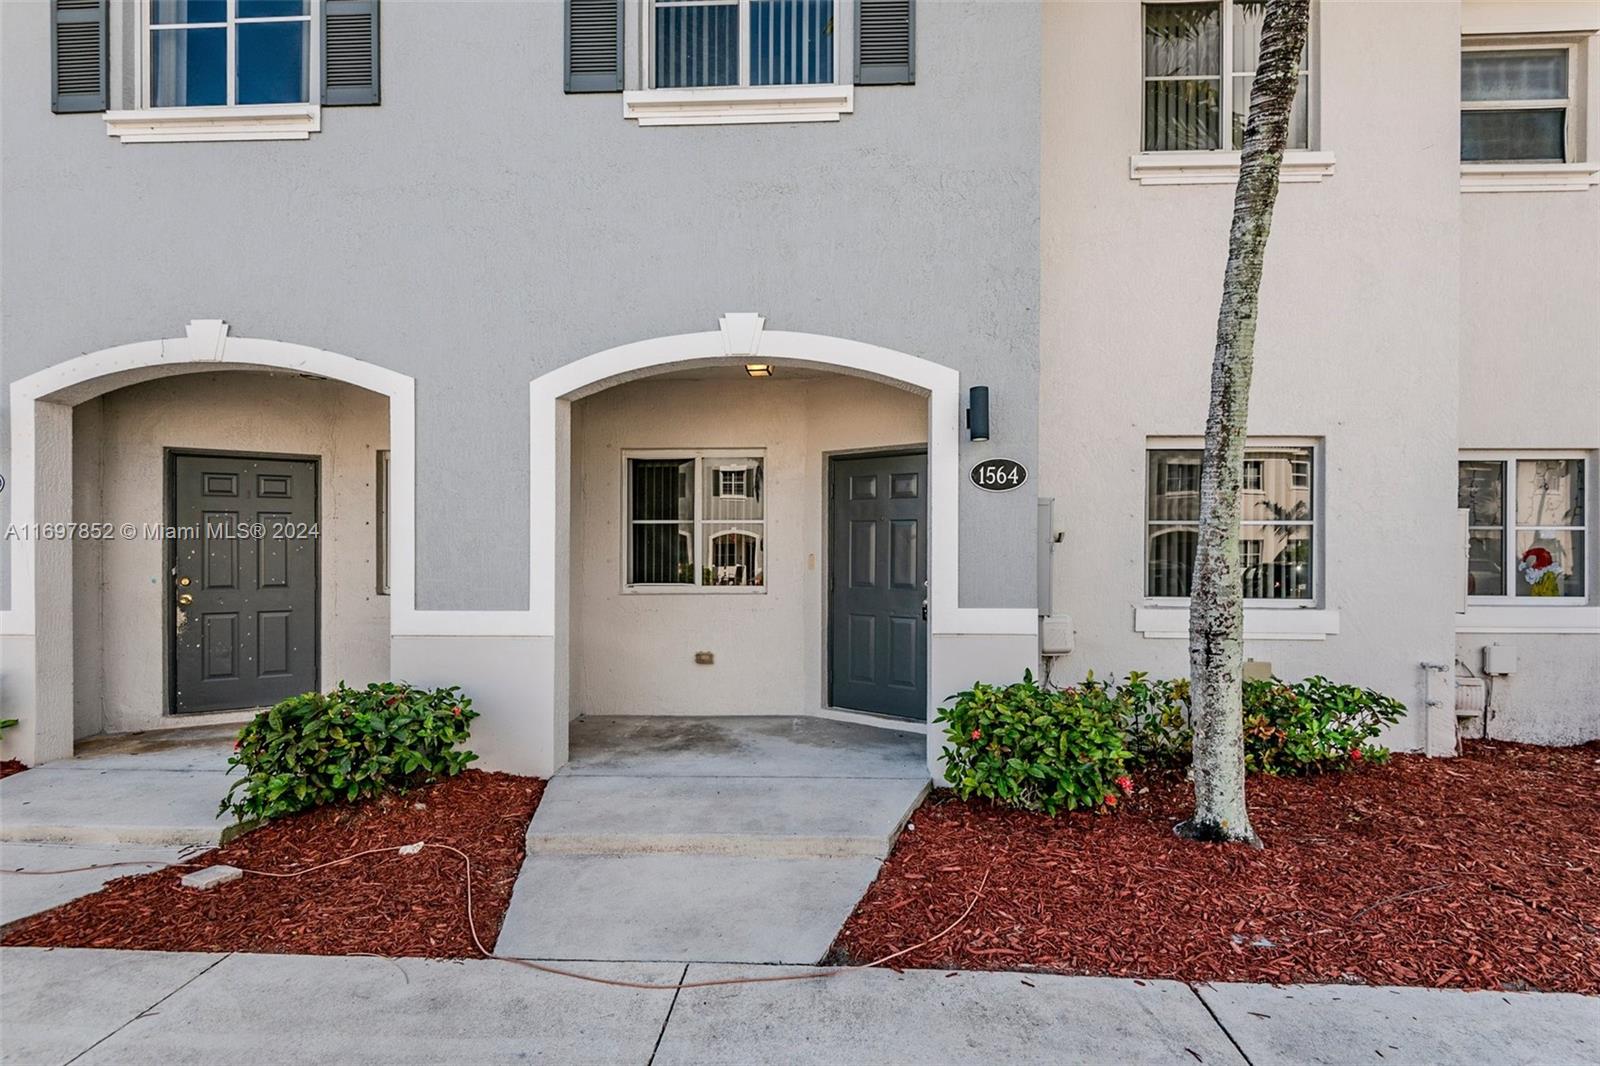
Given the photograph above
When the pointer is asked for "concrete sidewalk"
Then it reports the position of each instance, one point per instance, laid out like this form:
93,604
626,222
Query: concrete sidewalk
88,1006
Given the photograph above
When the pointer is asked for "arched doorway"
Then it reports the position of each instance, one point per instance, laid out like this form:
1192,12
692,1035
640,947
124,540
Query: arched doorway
109,503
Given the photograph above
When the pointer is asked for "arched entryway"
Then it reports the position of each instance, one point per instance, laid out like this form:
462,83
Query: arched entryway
102,448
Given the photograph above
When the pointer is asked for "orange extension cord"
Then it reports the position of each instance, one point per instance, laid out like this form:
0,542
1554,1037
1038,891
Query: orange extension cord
472,924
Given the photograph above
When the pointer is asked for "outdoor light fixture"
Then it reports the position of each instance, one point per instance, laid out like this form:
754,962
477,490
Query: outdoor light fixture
978,412
758,370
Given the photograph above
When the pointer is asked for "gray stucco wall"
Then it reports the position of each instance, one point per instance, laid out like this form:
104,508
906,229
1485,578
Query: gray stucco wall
480,228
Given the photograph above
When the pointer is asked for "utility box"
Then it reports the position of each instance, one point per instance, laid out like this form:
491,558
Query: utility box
1500,659
1257,670
1055,635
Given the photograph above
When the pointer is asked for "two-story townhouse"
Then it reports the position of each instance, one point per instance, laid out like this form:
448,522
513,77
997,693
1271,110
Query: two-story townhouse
1426,403
656,356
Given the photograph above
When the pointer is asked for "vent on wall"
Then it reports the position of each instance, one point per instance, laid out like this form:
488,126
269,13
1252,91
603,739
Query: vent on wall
78,56
885,42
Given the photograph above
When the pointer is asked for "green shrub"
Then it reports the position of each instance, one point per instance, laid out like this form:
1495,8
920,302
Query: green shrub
1314,725
347,745
1159,733
1036,748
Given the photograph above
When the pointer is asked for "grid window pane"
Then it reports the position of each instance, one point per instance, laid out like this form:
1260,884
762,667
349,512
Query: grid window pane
1277,514
1182,43
1538,136
791,42
188,68
696,45
271,62
1182,39
663,490
734,554
1514,74
1550,492
1480,488
259,9
1182,115
1549,563
1299,114
663,554
167,12
1486,563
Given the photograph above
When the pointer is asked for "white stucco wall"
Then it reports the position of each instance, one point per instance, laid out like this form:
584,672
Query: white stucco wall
1530,381
1356,349
120,442
634,653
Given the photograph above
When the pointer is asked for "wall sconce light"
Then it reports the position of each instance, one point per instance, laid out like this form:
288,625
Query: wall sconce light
978,412
758,370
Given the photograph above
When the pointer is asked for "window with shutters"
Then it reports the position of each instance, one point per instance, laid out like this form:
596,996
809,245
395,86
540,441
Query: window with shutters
696,521
726,61
210,70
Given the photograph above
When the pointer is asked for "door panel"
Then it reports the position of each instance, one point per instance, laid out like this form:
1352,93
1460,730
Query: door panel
248,635
878,563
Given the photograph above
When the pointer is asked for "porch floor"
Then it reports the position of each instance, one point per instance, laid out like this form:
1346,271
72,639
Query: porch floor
710,839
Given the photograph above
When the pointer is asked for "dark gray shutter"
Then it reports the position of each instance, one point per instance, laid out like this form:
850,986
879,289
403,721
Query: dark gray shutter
78,55
886,42
594,46
349,52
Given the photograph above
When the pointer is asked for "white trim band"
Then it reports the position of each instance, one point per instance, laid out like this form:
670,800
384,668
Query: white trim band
1529,177
738,104
256,122
1222,168
1260,623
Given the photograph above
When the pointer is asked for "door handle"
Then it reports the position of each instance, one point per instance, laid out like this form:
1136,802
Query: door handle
186,599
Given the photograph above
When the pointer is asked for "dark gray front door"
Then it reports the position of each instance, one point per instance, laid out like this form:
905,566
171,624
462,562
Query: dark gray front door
244,581
878,574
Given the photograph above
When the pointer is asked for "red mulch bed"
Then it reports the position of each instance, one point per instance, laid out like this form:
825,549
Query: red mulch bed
1476,872
11,766
387,904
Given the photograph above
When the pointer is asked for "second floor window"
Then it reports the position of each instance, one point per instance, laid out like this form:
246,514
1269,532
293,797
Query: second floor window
708,43
1515,104
212,53
1199,62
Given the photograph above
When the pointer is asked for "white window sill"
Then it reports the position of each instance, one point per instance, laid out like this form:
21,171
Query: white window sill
1260,623
1221,168
258,122
1529,618
1529,177
694,590
756,103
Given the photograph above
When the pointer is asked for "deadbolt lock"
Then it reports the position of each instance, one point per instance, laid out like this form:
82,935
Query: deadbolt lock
185,600
183,581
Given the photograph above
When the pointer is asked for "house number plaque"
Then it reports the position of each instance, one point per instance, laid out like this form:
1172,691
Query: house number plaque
999,475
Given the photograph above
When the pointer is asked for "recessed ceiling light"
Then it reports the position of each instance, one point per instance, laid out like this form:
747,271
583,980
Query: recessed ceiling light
758,370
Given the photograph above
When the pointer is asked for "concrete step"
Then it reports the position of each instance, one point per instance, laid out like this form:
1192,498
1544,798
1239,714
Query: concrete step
681,907
68,803
737,816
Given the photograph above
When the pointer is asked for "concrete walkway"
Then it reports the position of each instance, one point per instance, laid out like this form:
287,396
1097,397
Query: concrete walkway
142,797
694,839
86,1006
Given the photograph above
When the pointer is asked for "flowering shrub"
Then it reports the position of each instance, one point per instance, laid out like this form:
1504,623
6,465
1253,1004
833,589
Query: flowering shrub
1313,725
1036,748
346,745
1044,749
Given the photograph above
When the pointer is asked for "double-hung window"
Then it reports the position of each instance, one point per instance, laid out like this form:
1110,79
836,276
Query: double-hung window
1199,62
1278,521
1516,104
217,53
1526,527
710,43
696,520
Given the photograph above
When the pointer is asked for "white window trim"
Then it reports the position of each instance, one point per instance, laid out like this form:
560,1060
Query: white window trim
1158,621
738,104
1159,624
700,457
144,124
1571,175
1511,609
1220,166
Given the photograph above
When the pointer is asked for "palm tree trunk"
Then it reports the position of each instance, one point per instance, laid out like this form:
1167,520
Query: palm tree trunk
1216,612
